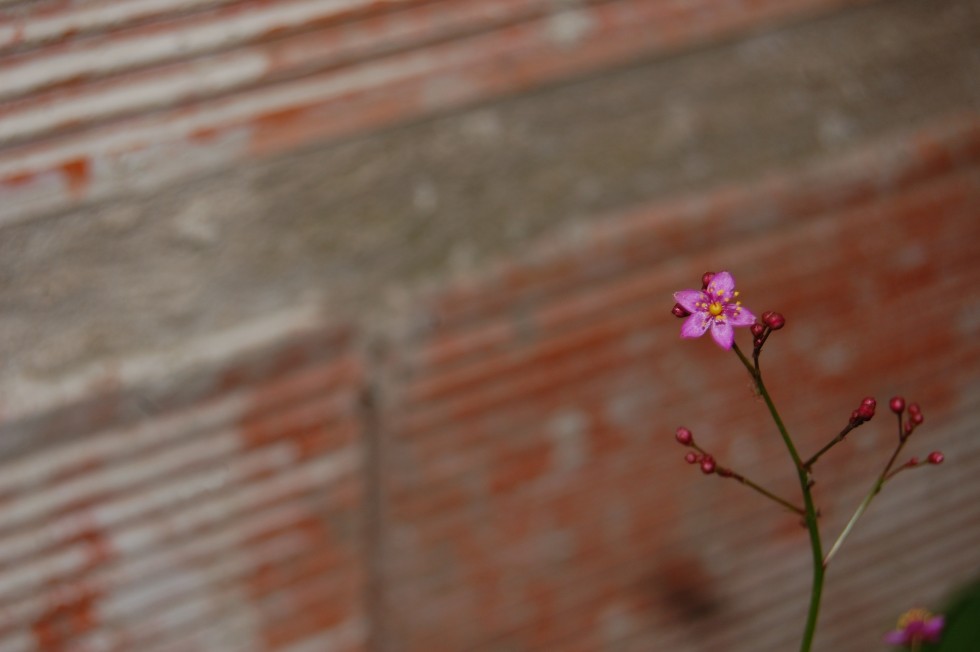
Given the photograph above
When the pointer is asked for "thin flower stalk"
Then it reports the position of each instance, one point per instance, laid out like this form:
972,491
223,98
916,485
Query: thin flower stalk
833,442
765,492
810,511
875,490
728,473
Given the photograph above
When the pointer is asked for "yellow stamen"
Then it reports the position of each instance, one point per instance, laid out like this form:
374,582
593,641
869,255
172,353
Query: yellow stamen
715,309
913,616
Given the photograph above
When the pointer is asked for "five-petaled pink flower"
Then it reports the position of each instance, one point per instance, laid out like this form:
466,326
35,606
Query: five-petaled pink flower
716,308
916,626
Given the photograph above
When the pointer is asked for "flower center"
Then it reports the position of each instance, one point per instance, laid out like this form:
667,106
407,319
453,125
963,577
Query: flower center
715,309
913,616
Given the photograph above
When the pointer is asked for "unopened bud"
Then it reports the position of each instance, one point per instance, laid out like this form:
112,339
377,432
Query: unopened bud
679,311
706,279
775,321
914,408
897,404
691,458
913,462
936,457
866,410
684,436
916,418
757,342
757,329
707,465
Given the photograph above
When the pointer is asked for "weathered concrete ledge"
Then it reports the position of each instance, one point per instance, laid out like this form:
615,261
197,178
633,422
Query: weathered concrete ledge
335,233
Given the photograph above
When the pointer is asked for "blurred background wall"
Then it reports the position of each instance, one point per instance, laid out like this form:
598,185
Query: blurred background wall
344,325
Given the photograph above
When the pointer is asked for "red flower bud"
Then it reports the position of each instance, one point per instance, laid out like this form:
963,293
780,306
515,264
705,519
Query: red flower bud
684,436
775,321
908,428
679,311
691,458
757,329
757,342
936,457
897,404
916,418
706,279
913,462
708,465
869,400
865,412
766,315
914,408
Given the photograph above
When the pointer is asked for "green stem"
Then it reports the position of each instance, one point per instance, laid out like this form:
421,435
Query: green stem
875,489
748,483
833,442
810,517
765,492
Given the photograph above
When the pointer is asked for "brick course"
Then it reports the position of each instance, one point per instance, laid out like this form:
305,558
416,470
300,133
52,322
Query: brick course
486,460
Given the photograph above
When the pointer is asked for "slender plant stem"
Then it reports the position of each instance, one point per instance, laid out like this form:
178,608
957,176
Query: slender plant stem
875,489
768,494
752,485
810,516
833,442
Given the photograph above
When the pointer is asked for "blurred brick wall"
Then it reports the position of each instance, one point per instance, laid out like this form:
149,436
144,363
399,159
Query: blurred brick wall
416,389
535,496
101,98
231,519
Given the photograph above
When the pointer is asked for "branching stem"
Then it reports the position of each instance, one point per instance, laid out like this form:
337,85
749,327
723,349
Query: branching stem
875,489
726,472
810,511
833,442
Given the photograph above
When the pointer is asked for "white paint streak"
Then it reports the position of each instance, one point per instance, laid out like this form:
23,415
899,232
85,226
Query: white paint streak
165,88
125,51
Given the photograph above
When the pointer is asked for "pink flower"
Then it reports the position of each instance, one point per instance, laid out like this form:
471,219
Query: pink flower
715,307
916,626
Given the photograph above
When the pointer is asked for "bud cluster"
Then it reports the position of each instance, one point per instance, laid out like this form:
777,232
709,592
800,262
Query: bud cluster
897,405
935,457
769,321
905,429
707,462
864,412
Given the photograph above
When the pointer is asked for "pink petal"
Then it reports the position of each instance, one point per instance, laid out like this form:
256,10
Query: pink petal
696,325
722,281
723,333
896,637
932,628
689,299
742,318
